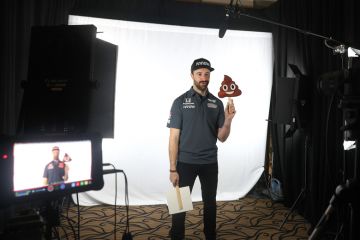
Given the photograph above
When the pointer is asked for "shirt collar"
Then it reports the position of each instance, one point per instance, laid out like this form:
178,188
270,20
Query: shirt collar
193,93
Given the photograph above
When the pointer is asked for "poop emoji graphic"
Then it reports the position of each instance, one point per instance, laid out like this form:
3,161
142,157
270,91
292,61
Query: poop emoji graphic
229,88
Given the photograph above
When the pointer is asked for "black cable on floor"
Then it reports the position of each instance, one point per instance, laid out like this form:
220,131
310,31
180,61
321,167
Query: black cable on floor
65,232
110,164
127,235
69,220
62,216
56,233
78,215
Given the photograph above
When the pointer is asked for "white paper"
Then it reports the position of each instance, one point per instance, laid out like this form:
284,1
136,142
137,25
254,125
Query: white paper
173,200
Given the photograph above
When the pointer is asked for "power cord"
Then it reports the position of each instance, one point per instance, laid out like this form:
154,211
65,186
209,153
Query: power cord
327,167
69,220
127,234
78,216
109,164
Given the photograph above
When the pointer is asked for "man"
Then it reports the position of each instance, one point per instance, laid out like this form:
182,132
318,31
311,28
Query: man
196,121
56,171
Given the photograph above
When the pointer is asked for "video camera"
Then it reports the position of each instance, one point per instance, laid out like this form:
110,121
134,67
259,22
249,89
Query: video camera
345,85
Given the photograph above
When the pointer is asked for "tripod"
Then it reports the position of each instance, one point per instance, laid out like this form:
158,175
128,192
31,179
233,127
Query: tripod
303,189
346,194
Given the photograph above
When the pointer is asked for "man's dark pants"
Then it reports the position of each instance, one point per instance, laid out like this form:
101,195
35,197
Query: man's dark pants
208,176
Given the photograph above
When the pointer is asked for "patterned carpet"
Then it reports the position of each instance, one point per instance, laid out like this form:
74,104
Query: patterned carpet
247,218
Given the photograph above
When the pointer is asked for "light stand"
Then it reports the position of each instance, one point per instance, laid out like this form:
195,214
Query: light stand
297,107
303,191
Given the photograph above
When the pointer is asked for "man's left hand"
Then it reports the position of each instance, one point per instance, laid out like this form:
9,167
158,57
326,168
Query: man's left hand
230,109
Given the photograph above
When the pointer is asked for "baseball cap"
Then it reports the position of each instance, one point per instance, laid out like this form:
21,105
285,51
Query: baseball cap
201,63
55,148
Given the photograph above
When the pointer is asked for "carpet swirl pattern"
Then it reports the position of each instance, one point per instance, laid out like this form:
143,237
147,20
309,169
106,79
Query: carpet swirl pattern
247,218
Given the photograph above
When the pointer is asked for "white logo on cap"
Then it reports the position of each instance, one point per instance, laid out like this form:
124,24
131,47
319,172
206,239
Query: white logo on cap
202,63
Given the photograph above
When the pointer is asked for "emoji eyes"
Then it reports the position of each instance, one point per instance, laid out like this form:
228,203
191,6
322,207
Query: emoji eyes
226,88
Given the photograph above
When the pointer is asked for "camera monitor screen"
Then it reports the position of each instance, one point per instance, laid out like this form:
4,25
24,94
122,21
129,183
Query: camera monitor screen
55,167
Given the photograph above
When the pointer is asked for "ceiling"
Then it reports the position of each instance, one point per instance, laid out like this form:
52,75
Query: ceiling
256,4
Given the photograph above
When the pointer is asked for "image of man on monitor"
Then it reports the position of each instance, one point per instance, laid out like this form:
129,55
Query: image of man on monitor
57,170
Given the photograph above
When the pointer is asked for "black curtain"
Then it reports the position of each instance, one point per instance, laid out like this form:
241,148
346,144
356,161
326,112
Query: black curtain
336,19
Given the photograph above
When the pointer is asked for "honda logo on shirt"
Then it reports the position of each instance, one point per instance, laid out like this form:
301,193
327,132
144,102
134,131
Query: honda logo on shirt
188,103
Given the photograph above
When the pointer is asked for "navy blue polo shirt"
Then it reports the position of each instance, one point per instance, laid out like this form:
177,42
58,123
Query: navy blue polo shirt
198,118
54,172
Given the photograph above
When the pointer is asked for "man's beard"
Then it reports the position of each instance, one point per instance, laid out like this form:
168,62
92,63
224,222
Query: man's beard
202,85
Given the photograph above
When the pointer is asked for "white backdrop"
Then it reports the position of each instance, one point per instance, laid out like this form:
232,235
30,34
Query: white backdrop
153,69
